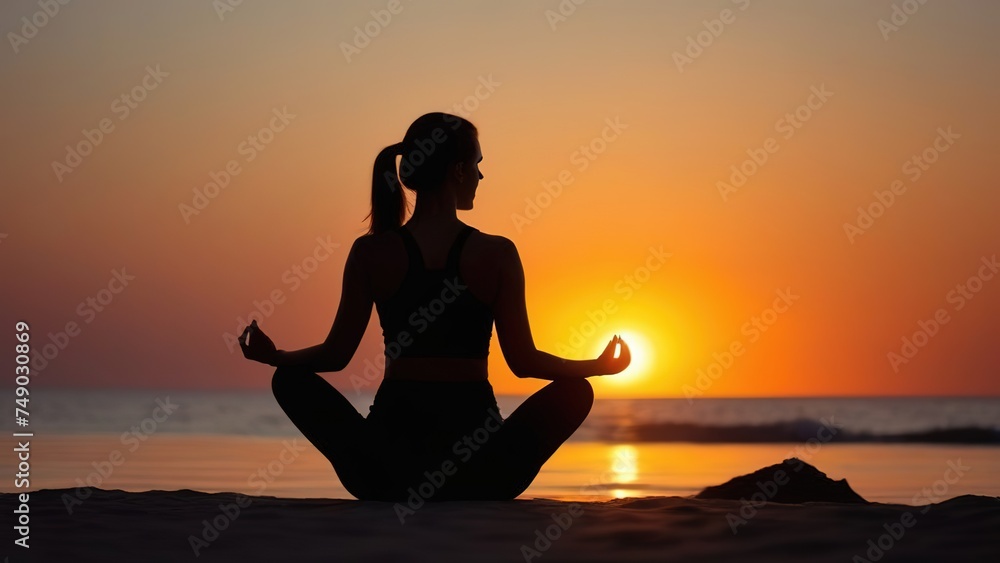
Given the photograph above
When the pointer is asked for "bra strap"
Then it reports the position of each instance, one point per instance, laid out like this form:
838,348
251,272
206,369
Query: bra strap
456,248
412,249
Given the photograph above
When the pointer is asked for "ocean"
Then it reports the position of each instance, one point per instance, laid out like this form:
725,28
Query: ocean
896,450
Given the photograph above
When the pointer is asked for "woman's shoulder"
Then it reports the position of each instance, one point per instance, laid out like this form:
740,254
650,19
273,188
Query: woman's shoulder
483,244
373,245
495,245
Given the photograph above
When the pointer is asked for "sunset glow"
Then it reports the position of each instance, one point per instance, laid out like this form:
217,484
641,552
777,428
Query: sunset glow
672,199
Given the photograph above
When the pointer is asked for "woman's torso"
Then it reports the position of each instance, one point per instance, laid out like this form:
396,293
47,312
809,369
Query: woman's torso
391,263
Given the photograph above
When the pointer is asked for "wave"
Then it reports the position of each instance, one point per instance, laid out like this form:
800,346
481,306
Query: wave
932,420
798,430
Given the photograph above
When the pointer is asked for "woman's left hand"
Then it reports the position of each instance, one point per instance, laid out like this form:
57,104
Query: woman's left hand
257,346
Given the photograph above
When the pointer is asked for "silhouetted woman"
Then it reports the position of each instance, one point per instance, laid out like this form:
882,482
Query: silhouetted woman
438,286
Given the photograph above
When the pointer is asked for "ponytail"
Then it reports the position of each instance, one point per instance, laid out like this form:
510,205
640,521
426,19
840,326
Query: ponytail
431,144
388,200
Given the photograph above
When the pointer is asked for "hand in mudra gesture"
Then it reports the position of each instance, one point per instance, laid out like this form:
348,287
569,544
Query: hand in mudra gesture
256,345
608,363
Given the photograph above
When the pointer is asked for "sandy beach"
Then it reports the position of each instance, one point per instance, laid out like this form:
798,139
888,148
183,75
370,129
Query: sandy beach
113,525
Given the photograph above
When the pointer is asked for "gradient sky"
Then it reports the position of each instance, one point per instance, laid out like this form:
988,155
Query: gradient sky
555,85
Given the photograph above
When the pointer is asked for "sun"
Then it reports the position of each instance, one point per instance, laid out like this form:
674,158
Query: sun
641,357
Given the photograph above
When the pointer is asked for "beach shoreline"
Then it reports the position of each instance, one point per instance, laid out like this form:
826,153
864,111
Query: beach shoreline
183,525
578,471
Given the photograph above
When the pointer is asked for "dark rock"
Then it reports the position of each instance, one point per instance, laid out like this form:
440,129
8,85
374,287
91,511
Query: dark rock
791,482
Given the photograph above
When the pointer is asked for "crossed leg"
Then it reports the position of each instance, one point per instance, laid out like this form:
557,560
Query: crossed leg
512,457
328,420
500,470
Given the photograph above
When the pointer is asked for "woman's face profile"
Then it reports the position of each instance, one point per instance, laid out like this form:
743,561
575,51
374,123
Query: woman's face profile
467,190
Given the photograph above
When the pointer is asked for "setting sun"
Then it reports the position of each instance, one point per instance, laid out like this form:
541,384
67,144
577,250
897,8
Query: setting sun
641,358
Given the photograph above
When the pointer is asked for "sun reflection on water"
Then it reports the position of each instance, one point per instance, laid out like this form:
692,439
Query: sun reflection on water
624,469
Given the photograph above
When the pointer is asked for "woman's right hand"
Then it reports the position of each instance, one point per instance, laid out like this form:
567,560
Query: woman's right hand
607,363
257,346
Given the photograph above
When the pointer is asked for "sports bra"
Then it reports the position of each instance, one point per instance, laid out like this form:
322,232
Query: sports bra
433,314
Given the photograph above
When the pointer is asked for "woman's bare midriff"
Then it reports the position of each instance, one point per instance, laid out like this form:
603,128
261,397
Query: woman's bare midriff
436,369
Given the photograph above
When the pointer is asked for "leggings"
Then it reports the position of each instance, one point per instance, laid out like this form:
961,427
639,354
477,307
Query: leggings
439,440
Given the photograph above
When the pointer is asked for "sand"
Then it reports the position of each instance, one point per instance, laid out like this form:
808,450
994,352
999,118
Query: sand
185,525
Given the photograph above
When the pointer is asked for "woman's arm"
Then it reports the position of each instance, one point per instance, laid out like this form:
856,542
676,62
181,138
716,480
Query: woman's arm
334,353
514,333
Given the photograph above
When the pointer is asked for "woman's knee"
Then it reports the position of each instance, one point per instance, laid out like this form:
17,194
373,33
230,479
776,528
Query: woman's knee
280,379
580,390
285,378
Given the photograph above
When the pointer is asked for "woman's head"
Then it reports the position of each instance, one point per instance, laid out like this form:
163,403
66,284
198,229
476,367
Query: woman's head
439,151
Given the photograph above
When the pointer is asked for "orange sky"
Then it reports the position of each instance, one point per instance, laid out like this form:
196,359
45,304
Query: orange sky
838,104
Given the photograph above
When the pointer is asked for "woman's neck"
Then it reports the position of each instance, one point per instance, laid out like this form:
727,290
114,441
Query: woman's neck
435,209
